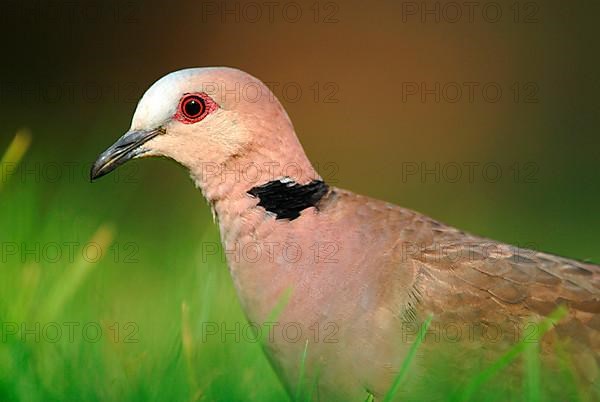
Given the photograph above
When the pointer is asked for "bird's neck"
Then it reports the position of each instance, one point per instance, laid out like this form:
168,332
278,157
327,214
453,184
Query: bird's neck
235,188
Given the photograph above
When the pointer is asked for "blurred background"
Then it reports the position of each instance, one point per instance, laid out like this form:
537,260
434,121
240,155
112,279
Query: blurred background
483,115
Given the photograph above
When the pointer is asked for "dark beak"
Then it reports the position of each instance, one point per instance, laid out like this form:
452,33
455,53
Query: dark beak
126,148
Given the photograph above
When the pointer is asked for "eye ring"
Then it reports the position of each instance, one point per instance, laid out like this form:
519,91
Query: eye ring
192,107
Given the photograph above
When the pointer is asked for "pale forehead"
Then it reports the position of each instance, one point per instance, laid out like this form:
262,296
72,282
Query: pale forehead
160,101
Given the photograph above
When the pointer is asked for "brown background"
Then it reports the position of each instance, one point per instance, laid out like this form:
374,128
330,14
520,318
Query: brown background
72,72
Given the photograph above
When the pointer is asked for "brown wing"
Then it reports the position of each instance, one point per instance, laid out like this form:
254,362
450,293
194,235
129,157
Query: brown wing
482,276
504,289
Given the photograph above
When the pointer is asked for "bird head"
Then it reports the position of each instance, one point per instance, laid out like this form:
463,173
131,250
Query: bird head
204,118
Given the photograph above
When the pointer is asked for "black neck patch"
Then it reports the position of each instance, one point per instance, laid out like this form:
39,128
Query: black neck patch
287,199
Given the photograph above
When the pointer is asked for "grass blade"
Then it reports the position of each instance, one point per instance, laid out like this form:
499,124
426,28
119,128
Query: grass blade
281,304
301,375
74,275
13,155
532,371
409,358
510,355
567,369
187,341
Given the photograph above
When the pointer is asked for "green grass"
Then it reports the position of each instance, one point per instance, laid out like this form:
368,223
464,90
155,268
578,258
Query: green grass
407,361
147,293
531,354
149,296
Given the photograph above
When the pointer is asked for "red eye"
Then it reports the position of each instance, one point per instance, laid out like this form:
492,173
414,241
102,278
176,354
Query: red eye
194,107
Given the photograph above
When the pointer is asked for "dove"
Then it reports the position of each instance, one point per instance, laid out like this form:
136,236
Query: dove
359,277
